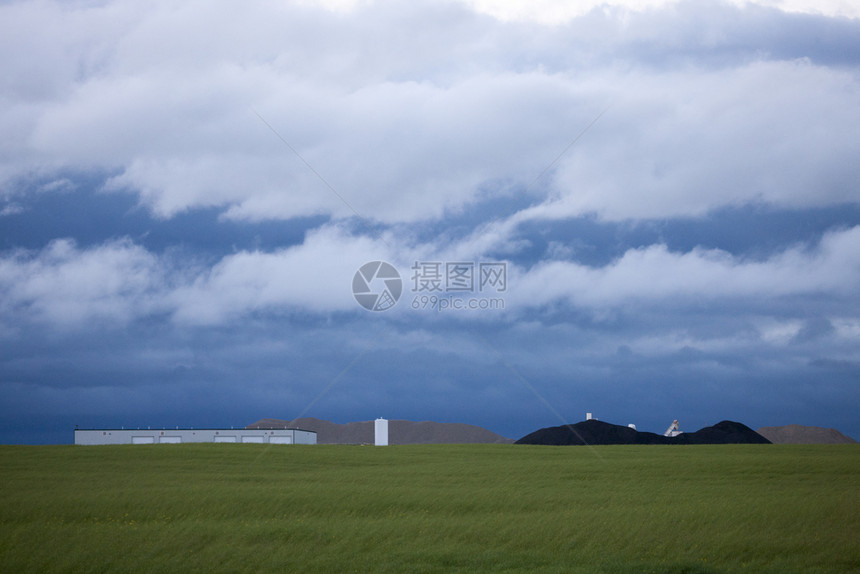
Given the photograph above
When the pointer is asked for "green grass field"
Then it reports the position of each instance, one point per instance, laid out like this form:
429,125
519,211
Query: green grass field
431,508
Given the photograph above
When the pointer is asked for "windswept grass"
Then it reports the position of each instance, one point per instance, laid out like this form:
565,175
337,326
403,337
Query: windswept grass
435,508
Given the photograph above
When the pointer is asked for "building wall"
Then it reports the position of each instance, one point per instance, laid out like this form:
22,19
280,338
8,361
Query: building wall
173,436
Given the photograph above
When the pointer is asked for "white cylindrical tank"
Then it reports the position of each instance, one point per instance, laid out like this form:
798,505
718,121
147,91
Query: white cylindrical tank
380,432
588,416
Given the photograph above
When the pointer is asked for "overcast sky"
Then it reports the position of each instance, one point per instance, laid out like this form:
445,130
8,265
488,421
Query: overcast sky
653,206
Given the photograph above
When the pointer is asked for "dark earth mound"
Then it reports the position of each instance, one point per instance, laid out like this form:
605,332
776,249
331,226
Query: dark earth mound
591,432
594,432
725,432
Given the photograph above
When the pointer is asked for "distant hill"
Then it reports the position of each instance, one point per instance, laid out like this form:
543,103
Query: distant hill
799,434
595,432
399,431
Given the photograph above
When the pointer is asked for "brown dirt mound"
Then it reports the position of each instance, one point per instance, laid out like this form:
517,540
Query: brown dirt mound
799,434
399,431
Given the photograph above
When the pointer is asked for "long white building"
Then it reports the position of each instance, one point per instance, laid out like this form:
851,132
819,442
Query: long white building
174,436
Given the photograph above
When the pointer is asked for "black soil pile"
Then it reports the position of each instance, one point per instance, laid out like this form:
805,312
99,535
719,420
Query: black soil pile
725,432
591,432
596,432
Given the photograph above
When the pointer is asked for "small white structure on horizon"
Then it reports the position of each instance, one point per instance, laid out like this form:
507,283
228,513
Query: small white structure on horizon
380,432
673,429
588,416
632,426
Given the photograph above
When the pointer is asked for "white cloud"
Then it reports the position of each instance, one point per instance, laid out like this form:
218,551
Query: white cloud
654,274
848,327
779,332
556,12
838,8
63,285
11,209
399,151
411,112
315,276
118,282
684,144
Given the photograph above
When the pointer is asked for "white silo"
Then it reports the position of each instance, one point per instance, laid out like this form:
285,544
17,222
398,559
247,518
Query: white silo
380,428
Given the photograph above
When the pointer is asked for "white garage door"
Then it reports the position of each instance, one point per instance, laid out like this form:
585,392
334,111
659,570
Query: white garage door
170,440
280,440
143,440
225,439
252,439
